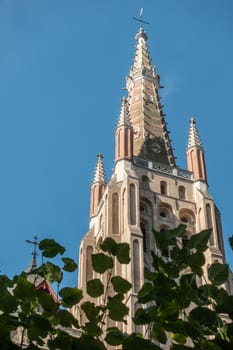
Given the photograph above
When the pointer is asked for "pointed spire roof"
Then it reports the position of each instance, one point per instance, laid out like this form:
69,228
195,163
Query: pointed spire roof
33,264
124,114
151,137
99,174
142,58
193,137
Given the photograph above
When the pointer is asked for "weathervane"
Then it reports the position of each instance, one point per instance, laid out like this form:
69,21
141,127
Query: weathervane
140,17
35,243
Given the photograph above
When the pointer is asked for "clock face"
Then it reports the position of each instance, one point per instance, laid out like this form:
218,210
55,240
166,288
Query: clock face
156,147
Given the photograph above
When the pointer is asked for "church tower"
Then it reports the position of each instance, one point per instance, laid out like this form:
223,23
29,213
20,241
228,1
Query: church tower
147,190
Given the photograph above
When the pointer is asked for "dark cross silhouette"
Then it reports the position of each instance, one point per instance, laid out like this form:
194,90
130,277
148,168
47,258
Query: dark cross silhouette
140,18
35,243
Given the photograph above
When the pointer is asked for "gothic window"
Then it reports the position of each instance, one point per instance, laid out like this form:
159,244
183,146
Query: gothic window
209,222
132,206
163,187
118,143
181,192
136,265
144,228
89,270
123,208
199,162
219,228
115,213
187,217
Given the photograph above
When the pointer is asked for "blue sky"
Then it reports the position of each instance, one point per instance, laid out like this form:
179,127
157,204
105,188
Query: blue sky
62,69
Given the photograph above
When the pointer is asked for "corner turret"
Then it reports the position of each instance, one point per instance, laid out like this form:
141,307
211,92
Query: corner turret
124,134
195,153
98,185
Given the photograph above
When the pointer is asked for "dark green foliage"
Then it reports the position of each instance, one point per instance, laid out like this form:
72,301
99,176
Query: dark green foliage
172,304
70,296
95,288
101,262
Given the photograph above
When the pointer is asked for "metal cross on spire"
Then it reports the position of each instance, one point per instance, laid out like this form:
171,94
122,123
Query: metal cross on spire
34,253
140,17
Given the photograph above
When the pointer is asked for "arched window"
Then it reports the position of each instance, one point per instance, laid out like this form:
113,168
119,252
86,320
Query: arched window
136,265
115,213
144,228
132,206
208,216
209,222
89,269
123,208
187,217
181,192
163,187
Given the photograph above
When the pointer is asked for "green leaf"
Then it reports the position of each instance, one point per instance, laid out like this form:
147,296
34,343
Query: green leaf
70,296
199,241
92,329
66,319
51,272
218,273
109,245
165,238
196,259
101,262
86,342
180,347
226,306
69,265
158,334
8,302
120,285
203,315
47,302
114,336
62,341
50,248
24,289
142,317
91,310
135,342
95,288
117,310
146,293
122,253
179,338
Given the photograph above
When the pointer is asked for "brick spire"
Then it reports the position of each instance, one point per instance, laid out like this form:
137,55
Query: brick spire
124,134
99,174
193,138
151,138
195,153
124,114
98,185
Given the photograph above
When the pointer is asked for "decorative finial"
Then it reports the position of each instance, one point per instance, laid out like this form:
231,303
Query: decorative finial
193,138
124,113
140,18
99,175
34,253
